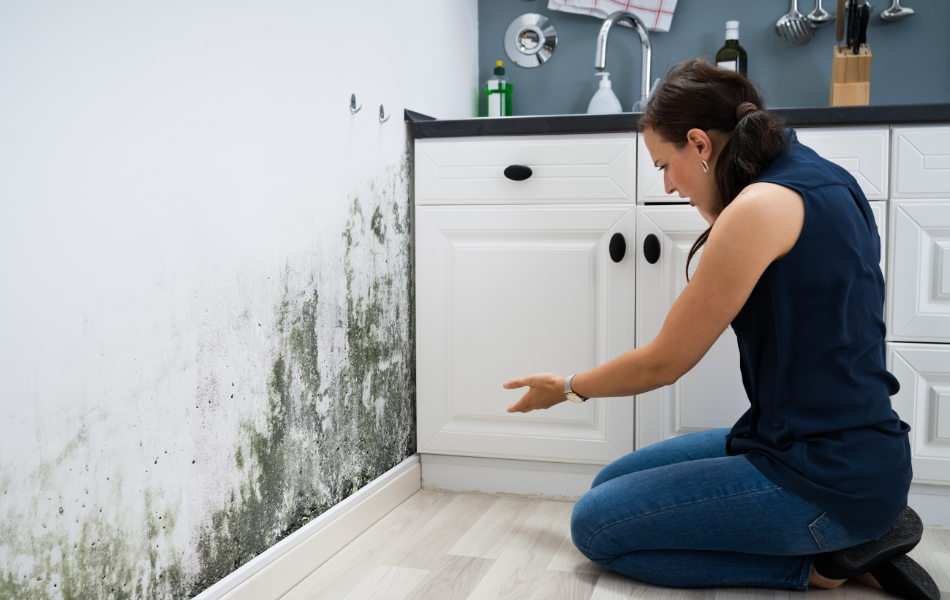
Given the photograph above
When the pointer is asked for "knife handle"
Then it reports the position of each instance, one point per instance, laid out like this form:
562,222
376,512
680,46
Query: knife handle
839,22
863,28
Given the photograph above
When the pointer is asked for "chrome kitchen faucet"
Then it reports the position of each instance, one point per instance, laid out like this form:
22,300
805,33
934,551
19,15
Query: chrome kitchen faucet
600,61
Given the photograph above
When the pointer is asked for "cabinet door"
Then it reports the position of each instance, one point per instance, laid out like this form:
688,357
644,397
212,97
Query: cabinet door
879,209
650,186
918,290
711,395
862,151
508,291
920,162
923,402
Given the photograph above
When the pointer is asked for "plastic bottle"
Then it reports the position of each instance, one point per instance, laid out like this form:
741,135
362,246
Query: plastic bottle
499,93
732,56
604,102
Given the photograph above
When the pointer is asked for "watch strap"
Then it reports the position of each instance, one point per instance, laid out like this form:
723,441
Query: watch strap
567,387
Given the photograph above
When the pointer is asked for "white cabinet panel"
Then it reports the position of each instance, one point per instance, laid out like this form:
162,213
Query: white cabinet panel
565,168
879,209
920,162
918,291
650,186
924,403
507,291
862,151
711,395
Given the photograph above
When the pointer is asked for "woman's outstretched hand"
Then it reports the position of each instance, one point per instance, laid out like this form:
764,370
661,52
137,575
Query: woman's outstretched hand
547,389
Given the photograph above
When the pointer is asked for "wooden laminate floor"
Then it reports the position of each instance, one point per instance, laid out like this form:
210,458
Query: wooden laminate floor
453,546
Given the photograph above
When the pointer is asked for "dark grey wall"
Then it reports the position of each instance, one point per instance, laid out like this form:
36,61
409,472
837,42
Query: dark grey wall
911,63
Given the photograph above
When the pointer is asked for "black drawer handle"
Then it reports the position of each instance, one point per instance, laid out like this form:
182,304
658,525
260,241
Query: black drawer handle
518,172
618,247
651,249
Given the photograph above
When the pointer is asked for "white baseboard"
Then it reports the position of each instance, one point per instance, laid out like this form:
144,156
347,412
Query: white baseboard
561,481
548,480
932,503
267,578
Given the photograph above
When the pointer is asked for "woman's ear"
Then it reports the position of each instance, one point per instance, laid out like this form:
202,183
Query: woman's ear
700,141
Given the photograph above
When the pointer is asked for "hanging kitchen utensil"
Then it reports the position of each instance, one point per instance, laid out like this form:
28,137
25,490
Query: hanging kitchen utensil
794,28
530,40
896,12
819,16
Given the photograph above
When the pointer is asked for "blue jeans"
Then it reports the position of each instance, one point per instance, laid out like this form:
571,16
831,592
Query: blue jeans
683,513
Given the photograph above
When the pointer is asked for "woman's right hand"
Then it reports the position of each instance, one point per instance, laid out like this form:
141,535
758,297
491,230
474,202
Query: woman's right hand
547,389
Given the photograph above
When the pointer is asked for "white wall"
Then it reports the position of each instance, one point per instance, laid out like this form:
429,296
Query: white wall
175,178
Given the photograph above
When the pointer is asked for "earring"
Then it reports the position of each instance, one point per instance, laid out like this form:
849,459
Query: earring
705,167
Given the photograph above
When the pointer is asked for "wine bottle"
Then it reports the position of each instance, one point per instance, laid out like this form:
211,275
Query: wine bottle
732,56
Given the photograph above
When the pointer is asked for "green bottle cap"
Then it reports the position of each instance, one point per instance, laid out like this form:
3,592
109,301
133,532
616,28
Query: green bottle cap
499,70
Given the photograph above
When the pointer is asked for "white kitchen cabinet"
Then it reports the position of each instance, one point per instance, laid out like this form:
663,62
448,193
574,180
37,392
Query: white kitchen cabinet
565,169
650,187
879,210
711,395
862,151
918,291
924,403
508,291
920,162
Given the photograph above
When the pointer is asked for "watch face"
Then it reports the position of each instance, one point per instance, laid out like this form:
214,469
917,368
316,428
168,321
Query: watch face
574,397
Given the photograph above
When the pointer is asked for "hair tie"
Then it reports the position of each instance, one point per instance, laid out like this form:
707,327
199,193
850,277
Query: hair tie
744,109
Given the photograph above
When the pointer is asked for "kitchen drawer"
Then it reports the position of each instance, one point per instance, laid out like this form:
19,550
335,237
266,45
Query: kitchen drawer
650,179
918,290
920,162
565,169
862,151
923,402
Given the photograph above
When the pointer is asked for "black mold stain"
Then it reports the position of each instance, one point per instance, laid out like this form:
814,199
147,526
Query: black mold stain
321,441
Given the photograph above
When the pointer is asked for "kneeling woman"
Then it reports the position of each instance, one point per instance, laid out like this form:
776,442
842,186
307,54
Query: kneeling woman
810,485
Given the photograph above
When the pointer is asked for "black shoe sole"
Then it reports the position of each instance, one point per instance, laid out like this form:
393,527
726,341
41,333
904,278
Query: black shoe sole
905,578
900,539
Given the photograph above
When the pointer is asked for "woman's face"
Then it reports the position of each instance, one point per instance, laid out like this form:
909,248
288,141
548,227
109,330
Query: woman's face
683,168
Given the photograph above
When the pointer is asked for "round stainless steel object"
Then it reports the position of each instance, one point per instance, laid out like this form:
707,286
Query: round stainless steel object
530,40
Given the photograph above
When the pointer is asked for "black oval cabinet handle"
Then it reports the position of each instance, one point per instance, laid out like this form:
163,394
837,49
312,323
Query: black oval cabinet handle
651,249
617,247
518,172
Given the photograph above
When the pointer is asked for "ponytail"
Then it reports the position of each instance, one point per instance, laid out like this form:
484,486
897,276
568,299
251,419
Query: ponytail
699,95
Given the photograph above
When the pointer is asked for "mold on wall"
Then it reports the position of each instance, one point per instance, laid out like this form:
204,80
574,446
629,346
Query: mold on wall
333,409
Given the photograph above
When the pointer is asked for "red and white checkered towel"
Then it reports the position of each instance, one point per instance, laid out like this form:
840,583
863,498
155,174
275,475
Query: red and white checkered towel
657,15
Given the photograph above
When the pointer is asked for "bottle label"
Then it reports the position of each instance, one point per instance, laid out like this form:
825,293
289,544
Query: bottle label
732,65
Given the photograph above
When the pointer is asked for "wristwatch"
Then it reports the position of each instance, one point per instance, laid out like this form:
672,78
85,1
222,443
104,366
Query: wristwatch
572,395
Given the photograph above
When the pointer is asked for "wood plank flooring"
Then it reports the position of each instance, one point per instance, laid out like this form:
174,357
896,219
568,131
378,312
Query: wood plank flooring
453,546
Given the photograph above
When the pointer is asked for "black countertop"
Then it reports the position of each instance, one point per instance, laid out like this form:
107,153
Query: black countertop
428,127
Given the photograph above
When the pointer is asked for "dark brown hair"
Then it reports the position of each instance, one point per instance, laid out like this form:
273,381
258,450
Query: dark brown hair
698,94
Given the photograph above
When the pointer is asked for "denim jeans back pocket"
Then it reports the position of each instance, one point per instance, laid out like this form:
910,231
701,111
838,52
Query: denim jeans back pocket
831,535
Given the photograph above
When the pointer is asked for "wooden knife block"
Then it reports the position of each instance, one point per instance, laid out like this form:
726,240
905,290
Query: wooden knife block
851,77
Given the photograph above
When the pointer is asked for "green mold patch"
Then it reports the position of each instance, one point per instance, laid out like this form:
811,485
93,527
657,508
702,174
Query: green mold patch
106,560
332,425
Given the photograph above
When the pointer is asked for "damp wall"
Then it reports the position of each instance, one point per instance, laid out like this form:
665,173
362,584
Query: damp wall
205,276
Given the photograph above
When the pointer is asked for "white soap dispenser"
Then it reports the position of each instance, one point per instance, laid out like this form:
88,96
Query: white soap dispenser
604,102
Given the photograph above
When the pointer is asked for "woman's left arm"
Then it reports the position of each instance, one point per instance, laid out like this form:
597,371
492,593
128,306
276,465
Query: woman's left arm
761,225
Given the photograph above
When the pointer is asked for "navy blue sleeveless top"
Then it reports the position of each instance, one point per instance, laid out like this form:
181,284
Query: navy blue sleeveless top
812,357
